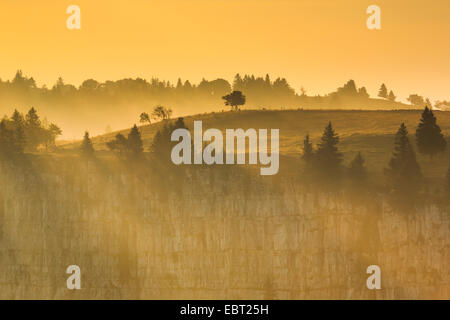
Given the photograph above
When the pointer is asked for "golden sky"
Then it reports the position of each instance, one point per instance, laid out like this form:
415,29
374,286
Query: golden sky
318,44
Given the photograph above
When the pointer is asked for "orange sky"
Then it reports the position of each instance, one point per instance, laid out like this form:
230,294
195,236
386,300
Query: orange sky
318,44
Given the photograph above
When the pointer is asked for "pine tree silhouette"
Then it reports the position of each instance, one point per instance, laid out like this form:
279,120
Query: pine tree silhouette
162,144
18,123
33,129
327,159
383,92
5,140
308,151
135,145
429,137
403,172
391,96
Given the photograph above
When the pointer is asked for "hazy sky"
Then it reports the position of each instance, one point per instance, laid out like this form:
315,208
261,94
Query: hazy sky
318,44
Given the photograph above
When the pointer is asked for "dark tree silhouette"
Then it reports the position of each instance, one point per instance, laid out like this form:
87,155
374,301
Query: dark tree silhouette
28,132
383,92
391,96
18,123
33,129
362,92
6,140
17,118
162,143
357,171
308,151
403,172
328,159
135,145
130,147
49,135
161,113
118,145
111,96
144,117
87,149
10,142
349,89
234,99
429,137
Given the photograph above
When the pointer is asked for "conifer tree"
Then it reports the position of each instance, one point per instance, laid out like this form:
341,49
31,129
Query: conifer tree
161,144
383,92
135,145
5,140
19,139
328,159
403,173
391,96
327,151
308,151
87,149
17,118
18,123
33,130
119,144
429,137
9,145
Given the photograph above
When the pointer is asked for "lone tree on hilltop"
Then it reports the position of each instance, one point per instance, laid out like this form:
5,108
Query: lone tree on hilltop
144,117
161,113
429,137
234,99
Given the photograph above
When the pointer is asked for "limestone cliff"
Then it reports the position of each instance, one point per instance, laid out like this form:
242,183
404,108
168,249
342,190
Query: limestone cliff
207,236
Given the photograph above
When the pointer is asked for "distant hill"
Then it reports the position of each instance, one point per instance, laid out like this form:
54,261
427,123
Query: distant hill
94,105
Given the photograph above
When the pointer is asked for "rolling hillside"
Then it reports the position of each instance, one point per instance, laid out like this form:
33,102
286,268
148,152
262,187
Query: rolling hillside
370,132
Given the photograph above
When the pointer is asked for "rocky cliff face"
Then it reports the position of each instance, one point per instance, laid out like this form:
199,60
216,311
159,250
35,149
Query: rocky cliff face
207,236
